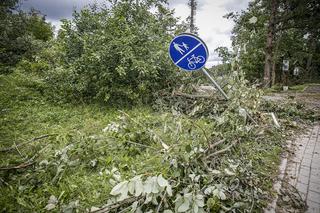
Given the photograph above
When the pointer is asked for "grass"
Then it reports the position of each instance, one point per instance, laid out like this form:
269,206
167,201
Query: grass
26,114
72,163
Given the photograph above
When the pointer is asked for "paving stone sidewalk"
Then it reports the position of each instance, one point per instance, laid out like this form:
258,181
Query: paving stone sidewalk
303,170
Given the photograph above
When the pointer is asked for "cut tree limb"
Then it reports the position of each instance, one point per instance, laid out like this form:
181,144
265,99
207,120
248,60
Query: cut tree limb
221,151
20,166
115,206
27,142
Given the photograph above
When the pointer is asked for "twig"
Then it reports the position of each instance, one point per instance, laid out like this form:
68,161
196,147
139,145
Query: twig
30,141
15,145
20,166
251,118
193,96
160,204
204,132
116,205
211,146
138,144
25,164
217,143
220,151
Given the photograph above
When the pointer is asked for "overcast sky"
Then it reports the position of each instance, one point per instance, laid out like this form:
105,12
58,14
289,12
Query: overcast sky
213,28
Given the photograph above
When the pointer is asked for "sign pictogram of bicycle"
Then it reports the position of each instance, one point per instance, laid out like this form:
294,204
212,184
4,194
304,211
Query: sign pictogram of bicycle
188,52
193,61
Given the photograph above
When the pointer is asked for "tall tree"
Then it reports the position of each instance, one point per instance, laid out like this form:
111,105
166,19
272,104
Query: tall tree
269,64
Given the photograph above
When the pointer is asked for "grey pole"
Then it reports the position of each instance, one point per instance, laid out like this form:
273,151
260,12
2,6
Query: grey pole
204,70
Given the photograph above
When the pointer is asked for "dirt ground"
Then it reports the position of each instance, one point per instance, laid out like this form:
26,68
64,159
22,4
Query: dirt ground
310,97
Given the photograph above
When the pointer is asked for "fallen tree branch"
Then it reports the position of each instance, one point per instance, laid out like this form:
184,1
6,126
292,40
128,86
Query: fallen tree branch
142,145
25,164
211,146
221,151
192,96
30,141
20,166
115,206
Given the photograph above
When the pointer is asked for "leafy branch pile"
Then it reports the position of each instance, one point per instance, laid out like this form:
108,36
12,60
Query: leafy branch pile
187,100
201,177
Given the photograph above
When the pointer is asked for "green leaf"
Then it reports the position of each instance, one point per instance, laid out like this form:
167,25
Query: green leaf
162,182
118,188
138,188
222,195
228,172
131,187
195,208
184,206
188,148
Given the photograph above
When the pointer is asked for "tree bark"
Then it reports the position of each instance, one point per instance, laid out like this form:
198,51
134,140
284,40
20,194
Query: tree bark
273,74
268,65
310,57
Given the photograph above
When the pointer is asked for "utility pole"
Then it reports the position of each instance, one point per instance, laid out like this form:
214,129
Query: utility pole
193,6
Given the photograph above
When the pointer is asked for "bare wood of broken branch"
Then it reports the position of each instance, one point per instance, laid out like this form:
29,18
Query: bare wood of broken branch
20,166
211,146
117,205
192,96
27,163
221,151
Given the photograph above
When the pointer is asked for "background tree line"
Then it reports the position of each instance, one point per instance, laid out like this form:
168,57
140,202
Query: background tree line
118,53
21,34
269,32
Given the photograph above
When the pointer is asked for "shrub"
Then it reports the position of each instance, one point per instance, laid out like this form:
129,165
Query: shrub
118,54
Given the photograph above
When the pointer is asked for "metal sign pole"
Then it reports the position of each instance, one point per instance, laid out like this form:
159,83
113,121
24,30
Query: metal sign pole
204,70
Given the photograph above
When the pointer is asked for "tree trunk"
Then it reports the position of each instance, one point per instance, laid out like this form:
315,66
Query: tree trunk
310,58
268,64
273,75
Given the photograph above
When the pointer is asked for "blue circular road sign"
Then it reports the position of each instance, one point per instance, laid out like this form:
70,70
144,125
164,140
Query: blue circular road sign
188,52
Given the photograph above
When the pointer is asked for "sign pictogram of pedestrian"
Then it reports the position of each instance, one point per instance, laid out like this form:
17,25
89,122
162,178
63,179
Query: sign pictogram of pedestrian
188,52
